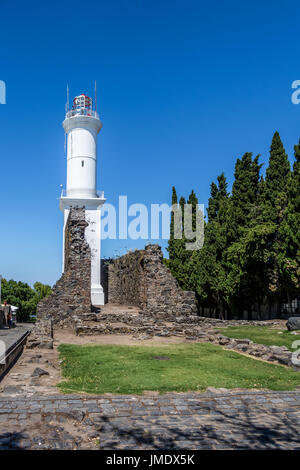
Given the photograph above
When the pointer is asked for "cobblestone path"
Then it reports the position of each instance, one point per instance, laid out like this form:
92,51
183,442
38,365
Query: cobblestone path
231,420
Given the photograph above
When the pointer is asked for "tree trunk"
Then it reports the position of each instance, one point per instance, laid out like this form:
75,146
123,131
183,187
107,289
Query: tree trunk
221,310
259,310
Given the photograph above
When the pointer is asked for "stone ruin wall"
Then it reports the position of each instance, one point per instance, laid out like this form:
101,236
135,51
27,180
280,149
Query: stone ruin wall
72,293
124,283
141,278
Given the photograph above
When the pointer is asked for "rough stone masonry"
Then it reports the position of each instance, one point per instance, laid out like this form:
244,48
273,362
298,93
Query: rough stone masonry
141,278
138,278
72,293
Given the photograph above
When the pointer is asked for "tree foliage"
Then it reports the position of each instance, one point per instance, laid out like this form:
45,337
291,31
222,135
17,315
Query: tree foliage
23,296
251,251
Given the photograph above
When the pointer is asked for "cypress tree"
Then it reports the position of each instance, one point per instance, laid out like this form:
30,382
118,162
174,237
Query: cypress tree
171,247
275,202
277,178
189,260
289,234
193,201
242,215
176,263
211,284
251,252
212,209
245,189
182,254
222,186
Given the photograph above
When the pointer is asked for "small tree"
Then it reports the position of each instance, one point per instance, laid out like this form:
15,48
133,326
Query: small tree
21,295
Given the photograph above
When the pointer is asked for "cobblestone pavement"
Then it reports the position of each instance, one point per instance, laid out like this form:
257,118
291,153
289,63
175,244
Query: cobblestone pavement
226,420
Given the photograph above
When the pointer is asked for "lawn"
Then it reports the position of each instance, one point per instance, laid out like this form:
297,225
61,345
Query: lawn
133,369
261,335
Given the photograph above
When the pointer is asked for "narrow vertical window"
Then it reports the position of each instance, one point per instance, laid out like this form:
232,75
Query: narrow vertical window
82,162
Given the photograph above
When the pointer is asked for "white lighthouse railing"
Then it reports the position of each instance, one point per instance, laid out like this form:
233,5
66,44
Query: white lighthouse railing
82,112
99,194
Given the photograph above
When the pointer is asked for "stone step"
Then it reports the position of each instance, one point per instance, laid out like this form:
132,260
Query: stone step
141,320
105,329
91,316
119,327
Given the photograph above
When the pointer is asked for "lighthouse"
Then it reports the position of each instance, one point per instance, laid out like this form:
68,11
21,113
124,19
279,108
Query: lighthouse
82,126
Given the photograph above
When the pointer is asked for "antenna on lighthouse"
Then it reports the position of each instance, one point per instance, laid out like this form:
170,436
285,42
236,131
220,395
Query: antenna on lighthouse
67,110
67,103
95,96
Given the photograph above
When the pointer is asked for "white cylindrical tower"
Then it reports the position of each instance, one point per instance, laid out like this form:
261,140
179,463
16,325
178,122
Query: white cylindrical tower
82,124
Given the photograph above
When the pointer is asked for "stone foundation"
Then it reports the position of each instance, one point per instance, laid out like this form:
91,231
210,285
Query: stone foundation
41,335
140,278
189,328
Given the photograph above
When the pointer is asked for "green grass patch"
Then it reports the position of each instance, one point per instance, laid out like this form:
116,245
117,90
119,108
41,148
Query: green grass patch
261,335
132,369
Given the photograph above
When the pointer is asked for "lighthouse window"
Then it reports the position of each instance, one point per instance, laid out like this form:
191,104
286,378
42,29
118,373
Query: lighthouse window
82,163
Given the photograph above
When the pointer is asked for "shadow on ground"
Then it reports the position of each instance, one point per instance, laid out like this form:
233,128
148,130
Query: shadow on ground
200,430
218,431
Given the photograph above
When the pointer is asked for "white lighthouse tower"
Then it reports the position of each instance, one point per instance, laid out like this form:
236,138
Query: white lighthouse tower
82,125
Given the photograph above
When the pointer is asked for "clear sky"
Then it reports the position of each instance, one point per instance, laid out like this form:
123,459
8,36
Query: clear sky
184,88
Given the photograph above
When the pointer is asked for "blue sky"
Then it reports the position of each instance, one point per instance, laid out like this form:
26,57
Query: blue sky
184,88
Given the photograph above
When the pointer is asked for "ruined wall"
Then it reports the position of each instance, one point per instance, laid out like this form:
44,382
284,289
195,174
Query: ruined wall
141,278
72,293
162,292
125,279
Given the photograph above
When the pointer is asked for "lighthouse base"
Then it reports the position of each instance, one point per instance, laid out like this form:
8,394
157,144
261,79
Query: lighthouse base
97,295
92,234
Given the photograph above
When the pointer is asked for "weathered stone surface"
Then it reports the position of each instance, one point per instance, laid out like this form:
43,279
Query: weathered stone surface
141,278
38,372
41,335
72,293
12,389
243,341
88,316
35,359
293,323
215,419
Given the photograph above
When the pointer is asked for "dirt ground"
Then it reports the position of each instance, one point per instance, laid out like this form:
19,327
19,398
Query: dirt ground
67,336
20,379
